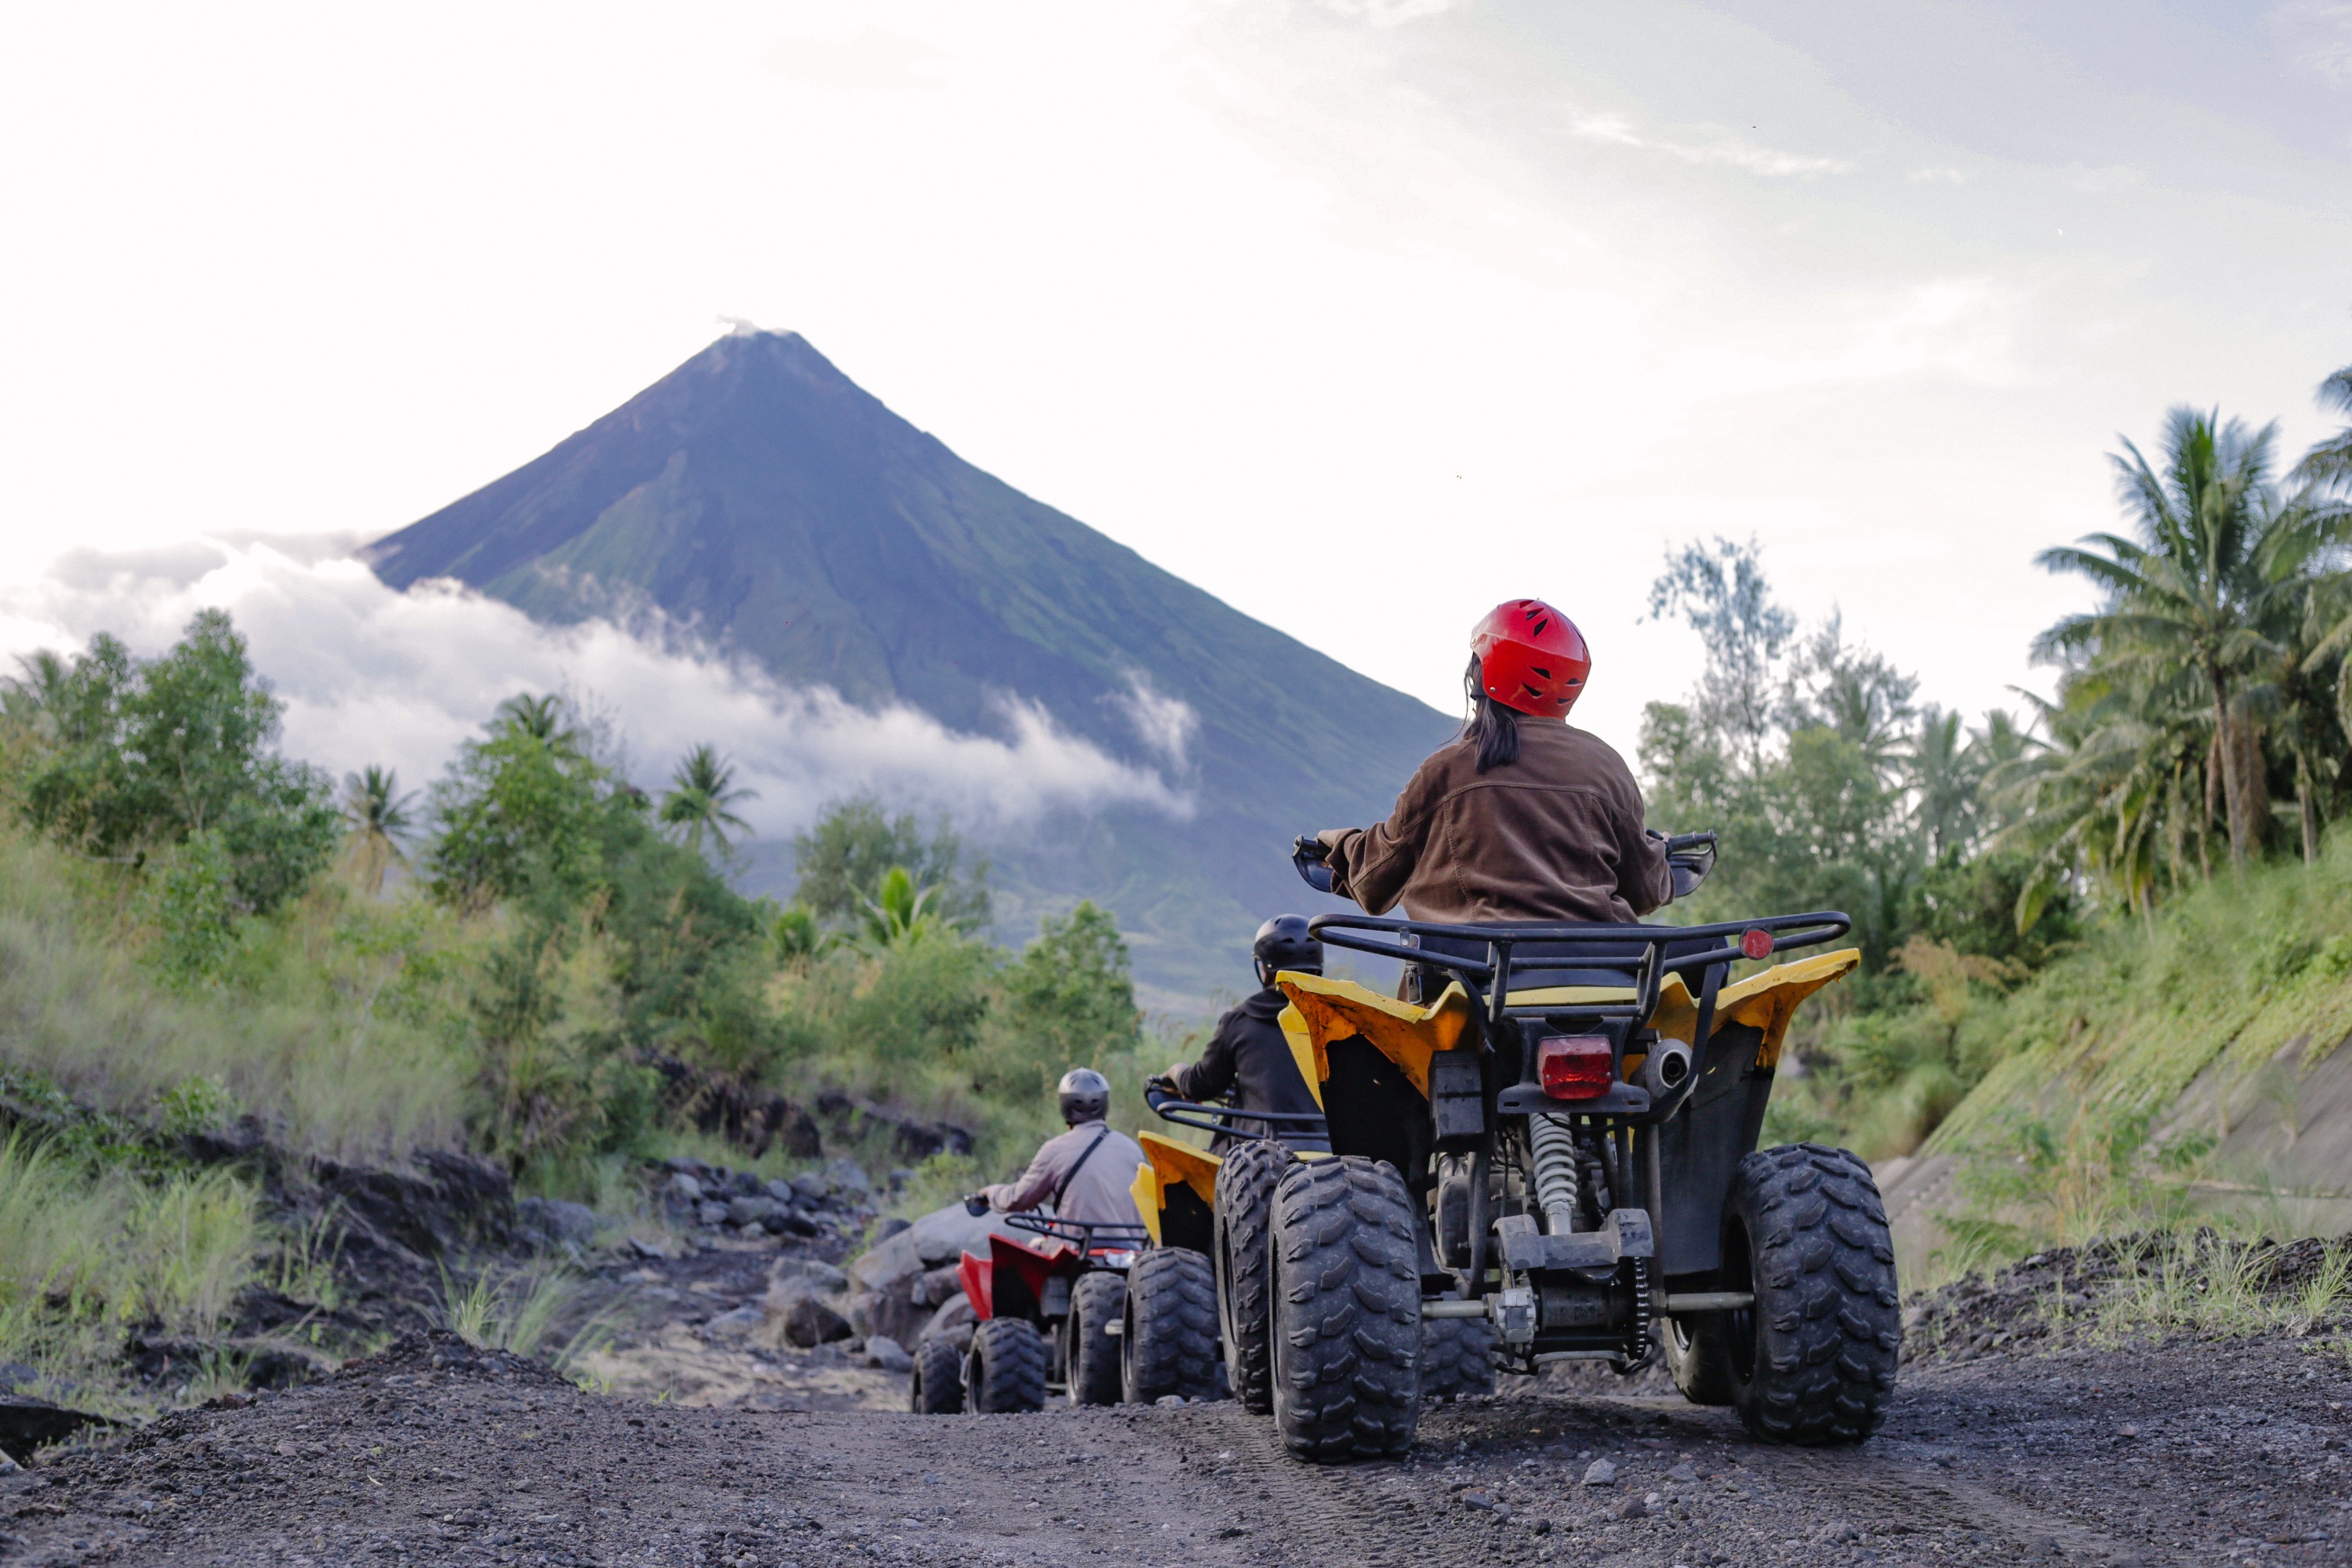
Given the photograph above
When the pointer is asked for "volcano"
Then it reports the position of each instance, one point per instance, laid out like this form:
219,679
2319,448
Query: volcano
762,501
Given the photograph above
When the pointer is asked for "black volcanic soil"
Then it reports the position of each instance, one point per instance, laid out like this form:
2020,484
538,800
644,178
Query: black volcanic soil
432,1453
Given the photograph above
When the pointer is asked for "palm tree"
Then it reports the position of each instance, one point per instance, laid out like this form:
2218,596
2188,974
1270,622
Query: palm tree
546,719
2328,466
702,789
2217,557
1943,775
380,821
39,696
900,912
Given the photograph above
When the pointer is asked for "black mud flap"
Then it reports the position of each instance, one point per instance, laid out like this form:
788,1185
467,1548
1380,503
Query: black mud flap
1186,1222
1703,1145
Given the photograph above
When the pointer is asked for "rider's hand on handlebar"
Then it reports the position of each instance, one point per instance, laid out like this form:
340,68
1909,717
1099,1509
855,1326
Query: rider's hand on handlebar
1313,859
975,1205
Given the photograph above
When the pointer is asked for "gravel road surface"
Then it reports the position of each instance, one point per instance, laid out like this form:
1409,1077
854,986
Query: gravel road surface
433,1453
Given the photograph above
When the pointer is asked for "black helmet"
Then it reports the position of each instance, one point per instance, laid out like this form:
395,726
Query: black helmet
1283,943
1086,1096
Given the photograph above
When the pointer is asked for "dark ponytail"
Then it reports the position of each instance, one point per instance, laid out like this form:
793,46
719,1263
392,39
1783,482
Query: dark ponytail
1491,727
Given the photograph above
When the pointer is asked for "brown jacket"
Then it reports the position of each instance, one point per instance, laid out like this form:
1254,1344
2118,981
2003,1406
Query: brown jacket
1556,836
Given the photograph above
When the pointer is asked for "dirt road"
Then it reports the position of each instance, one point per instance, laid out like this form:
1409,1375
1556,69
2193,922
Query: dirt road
433,1453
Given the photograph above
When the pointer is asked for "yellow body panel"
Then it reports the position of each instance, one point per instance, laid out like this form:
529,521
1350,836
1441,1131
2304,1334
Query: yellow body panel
1407,1034
1302,1051
1766,1001
1145,1191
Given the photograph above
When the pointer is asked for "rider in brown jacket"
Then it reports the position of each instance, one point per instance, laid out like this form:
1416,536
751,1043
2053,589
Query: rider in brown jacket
1521,817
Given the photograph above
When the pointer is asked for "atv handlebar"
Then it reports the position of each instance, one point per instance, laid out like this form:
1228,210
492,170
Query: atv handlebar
1313,859
1689,858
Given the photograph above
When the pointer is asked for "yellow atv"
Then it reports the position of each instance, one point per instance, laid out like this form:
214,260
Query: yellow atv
1554,1134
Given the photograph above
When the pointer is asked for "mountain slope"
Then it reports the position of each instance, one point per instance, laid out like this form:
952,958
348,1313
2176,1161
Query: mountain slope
760,498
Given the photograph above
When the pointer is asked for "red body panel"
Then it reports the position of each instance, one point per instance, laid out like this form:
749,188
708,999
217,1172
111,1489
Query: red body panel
1031,1265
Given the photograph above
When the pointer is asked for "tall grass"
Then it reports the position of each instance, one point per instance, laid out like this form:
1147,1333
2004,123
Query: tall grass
2225,977
88,1254
313,1040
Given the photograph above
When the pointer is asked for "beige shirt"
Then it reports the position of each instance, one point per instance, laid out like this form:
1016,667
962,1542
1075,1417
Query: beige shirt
1099,1194
1556,836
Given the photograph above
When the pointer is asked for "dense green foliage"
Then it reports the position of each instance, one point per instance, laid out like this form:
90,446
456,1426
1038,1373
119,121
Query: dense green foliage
561,977
2209,683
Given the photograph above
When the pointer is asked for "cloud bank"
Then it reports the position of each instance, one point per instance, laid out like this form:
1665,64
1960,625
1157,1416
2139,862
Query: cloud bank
369,675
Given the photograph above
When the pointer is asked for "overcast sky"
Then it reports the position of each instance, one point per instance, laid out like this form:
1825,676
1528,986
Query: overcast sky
1360,315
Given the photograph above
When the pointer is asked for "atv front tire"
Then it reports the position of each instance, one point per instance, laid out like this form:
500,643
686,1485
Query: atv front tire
1006,1372
1245,1184
1347,1311
1457,1359
1098,1304
938,1387
1813,1361
1698,1355
1169,1345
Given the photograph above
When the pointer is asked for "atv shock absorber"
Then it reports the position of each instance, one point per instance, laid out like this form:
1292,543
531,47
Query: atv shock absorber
1554,1147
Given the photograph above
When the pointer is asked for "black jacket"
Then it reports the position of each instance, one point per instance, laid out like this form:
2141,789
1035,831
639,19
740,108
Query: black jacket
1248,1062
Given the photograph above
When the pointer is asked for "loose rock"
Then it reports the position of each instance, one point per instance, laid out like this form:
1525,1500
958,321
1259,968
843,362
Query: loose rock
1600,1473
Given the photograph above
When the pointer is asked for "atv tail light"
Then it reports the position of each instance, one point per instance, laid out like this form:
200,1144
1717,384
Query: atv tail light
1576,1067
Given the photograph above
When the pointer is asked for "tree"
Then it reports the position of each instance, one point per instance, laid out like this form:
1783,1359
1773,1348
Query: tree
702,792
521,810
853,845
1721,591
2327,467
137,756
547,719
2217,553
380,823
1069,996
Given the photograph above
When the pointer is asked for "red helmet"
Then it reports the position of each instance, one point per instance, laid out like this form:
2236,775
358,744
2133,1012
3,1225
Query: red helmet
1531,658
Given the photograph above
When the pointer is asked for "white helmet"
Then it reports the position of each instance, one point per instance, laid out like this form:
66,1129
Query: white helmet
1085,1094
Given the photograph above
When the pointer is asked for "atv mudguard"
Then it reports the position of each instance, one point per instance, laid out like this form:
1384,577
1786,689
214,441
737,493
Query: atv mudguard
1175,1191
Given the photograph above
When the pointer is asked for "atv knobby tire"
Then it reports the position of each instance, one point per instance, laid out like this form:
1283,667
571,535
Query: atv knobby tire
1245,1184
1813,1362
1098,1304
1698,1355
937,1386
1457,1359
1347,1311
1170,1344
1006,1372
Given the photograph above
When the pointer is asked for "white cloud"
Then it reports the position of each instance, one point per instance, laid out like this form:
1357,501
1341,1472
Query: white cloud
1721,147
1164,723
369,675
2318,33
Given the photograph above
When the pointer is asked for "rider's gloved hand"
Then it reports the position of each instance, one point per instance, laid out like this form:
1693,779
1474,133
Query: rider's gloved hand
976,1204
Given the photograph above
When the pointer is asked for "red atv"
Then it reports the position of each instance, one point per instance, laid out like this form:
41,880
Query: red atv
1052,1313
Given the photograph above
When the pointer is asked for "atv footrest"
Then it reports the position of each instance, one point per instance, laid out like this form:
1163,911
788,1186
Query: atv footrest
1526,1250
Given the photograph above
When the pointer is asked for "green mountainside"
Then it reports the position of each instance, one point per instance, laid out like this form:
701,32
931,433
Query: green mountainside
760,498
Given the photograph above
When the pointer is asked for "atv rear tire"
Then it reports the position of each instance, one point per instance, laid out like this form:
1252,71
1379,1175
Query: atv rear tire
1813,1361
1347,1311
1698,1355
1006,1372
1170,1344
1093,1374
937,1386
1245,1184
1457,1359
